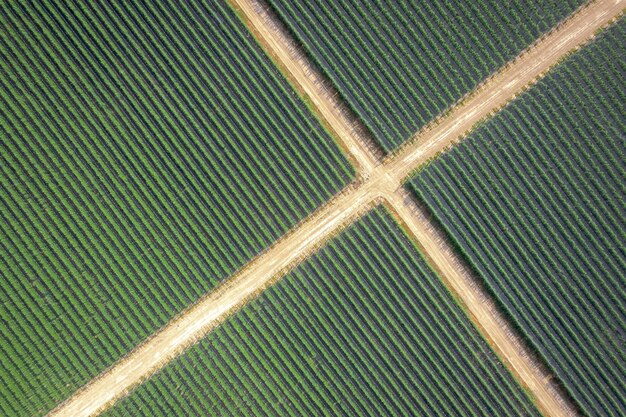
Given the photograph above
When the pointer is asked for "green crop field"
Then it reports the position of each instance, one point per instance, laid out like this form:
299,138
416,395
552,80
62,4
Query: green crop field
399,64
363,327
150,150
146,152
534,199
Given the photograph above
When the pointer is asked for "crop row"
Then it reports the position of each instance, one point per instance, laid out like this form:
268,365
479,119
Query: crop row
148,151
535,200
400,64
363,327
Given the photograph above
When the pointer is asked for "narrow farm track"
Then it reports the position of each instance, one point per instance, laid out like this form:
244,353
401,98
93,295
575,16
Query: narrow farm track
481,309
382,183
300,70
501,88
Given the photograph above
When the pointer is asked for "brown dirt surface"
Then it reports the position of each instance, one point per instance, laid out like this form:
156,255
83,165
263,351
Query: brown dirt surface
479,307
381,182
504,86
300,70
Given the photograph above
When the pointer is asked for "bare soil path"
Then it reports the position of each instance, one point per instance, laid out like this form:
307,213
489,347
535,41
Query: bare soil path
382,182
504,86
325,100
479,307
211,310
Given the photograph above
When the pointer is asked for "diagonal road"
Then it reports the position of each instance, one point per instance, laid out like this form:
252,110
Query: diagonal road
380,184
480,308
327,105
512,79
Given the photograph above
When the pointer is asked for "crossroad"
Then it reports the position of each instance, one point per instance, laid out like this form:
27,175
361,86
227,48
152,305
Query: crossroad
378,182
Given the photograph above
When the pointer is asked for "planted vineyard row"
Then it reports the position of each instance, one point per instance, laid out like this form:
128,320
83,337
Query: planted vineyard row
535,200
148,151
363,327
400,64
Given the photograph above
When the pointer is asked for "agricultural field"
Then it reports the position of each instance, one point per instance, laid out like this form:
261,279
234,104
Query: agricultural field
363,327
146,153
534,199
398,65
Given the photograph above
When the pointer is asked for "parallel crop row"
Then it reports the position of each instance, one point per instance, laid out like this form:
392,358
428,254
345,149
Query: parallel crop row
147,151
363,327
535,200
399,64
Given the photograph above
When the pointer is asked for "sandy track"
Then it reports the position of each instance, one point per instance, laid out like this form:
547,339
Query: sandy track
348,130
211,310
501,88
480,308
382,182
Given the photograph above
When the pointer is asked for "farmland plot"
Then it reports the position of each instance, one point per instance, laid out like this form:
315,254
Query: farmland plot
400,64
147,151
535,201
363,327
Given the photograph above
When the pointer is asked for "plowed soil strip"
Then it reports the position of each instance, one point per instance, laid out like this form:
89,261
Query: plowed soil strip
383,181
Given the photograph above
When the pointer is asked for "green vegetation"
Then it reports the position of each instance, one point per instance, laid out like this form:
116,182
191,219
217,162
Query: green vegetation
147,151
400,64
363,327
535,200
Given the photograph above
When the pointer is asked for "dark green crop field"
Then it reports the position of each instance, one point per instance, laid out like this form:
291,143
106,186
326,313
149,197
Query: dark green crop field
363,327
147,151
399,64
535,199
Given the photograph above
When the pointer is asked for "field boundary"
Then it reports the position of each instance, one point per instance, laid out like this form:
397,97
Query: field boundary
380,184
479,306
351,135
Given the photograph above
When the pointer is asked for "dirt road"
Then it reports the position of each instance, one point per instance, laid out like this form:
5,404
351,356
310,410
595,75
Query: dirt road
382,182
328,106
214,308
503,86
480,308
